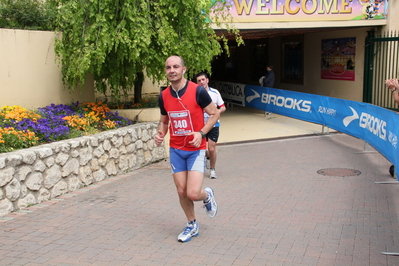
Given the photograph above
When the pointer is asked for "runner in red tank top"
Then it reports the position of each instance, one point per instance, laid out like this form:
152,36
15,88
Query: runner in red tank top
182,105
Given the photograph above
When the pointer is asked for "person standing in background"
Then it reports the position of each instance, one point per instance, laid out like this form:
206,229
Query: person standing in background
212,137
268,80
393,86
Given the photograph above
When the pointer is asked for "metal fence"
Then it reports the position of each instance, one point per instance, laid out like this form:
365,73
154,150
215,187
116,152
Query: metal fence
381,62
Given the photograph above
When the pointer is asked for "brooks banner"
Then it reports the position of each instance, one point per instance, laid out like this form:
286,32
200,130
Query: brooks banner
375,125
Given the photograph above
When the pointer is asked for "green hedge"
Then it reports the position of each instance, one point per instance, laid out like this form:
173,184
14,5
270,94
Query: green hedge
28,14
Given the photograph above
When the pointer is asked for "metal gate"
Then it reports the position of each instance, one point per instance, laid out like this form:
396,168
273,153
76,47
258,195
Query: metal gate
381,62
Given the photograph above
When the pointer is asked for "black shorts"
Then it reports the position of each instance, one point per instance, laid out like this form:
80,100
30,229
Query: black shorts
213,134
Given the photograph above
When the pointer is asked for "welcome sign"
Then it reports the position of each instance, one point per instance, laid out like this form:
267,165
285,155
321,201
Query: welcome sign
306,10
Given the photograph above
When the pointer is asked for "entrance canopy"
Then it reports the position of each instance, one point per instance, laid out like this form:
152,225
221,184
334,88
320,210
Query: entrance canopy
250,34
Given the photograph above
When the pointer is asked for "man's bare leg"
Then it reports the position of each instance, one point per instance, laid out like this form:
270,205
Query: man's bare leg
189,189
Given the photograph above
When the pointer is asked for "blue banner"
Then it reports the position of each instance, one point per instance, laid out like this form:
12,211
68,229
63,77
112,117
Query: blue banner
375,125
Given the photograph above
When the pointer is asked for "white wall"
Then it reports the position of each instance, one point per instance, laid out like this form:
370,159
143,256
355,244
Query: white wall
29,75
149,87
393,18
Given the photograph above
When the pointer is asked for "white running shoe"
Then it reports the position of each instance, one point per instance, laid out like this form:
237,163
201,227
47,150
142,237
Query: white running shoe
211,206
190,231
213,174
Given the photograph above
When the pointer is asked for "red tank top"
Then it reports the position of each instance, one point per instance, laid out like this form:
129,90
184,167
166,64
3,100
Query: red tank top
185,116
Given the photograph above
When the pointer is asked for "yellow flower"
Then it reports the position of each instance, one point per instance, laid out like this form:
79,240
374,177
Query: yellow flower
109,124
18,113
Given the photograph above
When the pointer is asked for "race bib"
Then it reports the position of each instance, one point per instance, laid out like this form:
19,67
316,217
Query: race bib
180,122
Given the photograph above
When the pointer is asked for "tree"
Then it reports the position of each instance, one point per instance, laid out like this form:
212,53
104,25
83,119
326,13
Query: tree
117,40
27,14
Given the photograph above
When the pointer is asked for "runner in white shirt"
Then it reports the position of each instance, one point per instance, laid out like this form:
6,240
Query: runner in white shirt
213,135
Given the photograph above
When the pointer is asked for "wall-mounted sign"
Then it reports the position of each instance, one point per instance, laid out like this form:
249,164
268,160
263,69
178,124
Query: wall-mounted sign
307,10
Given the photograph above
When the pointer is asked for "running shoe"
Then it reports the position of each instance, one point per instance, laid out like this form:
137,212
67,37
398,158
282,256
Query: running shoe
210,205
190,231
213,174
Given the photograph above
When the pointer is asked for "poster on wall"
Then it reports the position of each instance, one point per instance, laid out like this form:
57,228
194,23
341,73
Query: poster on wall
338,58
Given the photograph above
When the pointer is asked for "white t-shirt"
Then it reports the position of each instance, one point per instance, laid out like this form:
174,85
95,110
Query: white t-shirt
217,100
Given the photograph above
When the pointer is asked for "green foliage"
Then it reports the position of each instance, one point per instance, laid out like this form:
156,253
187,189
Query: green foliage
11,139
74,133
27,14
114,40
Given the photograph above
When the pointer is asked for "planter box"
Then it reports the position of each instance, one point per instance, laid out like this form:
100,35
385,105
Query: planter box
140,115
31,176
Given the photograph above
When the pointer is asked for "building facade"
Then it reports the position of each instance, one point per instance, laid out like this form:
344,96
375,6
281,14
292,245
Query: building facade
315,46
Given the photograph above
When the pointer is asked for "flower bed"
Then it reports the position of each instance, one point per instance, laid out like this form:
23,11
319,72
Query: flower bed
73,156
31,176
21,128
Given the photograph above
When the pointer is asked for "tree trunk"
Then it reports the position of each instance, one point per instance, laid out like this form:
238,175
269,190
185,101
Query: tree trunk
138,85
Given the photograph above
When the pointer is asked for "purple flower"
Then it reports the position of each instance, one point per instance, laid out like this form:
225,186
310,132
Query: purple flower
119,120
47,130
51,126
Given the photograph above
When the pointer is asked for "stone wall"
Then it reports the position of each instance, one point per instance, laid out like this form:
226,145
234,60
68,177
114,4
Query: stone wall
40,173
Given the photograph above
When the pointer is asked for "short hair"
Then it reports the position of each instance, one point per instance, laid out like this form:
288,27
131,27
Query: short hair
271,66
181,59
201,74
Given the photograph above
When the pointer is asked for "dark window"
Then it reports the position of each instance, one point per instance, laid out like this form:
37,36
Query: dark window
231,67
259,60
292,68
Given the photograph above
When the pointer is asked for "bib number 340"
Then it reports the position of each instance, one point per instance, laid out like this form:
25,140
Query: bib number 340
180,124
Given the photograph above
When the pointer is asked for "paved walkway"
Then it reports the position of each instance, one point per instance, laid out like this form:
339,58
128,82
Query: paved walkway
247,124
277,207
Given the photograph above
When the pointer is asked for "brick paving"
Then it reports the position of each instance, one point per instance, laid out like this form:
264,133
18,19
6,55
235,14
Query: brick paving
275,209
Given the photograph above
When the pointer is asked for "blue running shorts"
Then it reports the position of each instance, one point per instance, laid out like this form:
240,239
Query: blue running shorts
181,160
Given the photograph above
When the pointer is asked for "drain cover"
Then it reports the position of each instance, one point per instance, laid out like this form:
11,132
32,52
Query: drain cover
339,172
